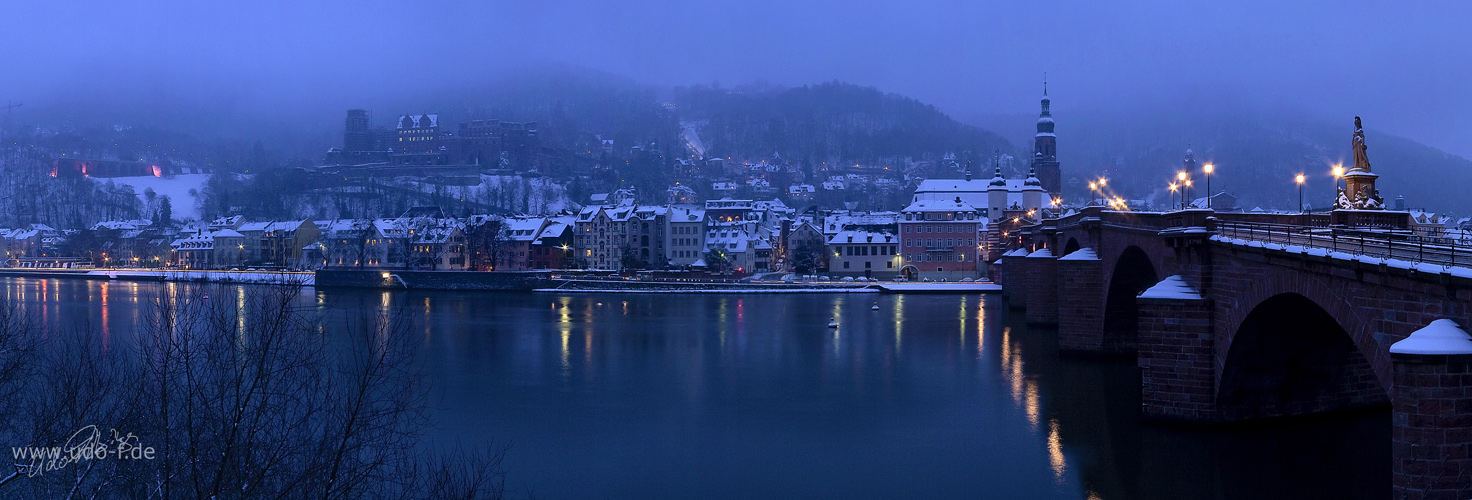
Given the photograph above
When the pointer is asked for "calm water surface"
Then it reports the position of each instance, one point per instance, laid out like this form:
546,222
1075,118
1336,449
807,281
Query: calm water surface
753,396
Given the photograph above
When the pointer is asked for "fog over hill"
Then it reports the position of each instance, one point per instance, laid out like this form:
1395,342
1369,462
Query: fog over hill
1257,149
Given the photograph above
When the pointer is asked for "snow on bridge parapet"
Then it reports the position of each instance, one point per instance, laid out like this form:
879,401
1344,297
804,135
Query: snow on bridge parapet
1172,288
1042,253
1458,270
1442,336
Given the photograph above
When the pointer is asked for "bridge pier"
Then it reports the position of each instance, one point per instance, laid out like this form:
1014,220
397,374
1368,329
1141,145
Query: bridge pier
999,276
1175,353
1081,302
1014,264
1431,413
1042,287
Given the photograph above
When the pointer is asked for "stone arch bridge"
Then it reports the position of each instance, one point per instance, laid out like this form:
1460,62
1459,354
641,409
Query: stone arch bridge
1244,316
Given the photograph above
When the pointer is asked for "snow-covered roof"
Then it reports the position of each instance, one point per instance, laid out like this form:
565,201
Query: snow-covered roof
523,229
1442,336
859,236
940,206
553,229
685,214
1173,287
1042,253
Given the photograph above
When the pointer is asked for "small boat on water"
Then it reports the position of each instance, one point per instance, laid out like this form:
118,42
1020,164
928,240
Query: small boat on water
875,308
832,323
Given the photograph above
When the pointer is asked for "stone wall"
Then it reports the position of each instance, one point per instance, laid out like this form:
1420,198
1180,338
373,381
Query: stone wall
1175,359
1080,306
1042,289
1431,427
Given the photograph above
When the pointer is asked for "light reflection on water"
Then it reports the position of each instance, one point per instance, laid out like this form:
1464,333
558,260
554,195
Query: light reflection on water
716,396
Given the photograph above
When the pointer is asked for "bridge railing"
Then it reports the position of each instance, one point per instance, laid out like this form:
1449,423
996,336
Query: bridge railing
1434,247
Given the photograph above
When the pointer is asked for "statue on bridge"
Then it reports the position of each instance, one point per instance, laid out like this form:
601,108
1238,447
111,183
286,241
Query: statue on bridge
1359,191
1361,158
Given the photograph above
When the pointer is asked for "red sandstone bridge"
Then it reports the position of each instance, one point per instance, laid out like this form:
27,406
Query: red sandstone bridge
1237,316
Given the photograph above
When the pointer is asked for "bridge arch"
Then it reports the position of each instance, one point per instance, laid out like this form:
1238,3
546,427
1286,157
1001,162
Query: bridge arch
1133,273
1070,247
1296,350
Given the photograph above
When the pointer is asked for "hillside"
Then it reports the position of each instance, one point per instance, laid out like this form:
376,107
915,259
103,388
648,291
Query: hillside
832,121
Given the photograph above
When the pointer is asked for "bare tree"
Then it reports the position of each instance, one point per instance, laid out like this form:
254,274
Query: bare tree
245,399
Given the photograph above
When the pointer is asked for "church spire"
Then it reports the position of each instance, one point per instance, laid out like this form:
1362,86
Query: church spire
1045,148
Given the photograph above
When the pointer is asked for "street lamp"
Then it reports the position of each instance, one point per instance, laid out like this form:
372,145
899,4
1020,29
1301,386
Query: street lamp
1181,178
1299,179
1208,168
1094,191
1173,187
1183,194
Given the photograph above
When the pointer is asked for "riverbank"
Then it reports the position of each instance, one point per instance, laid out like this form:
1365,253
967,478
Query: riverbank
258,277
538,281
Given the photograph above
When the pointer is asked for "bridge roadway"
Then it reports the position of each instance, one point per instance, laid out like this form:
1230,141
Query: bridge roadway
1246,316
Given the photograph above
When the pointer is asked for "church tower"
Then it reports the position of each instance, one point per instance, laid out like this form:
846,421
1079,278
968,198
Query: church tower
1045,151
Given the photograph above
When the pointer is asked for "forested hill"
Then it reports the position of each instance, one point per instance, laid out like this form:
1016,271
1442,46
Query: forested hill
832,121
827,122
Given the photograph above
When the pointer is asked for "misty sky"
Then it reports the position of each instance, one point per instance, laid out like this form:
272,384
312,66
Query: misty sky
1404,66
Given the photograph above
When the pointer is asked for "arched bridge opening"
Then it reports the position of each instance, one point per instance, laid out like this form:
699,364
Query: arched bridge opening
1291,357
1133,273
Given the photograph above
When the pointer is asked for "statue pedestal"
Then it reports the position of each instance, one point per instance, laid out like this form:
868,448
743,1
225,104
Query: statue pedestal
1359,189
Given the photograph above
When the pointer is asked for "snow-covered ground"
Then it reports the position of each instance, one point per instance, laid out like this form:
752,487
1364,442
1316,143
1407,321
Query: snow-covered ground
534,195
183,191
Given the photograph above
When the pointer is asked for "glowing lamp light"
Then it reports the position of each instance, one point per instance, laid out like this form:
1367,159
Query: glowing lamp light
1299,179
1208,168
385,275
1181,176
1338,171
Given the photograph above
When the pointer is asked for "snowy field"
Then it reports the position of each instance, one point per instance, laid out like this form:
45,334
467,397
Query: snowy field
177,188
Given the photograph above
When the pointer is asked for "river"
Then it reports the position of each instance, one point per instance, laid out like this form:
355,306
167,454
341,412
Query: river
753,396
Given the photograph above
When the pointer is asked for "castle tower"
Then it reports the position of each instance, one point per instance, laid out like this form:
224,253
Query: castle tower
1045,151
356,136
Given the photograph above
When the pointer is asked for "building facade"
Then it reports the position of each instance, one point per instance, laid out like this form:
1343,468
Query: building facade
939,240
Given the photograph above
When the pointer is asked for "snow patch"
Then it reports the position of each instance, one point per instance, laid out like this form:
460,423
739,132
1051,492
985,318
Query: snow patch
1042,253
1173,287
175,187
1442,336
1081,254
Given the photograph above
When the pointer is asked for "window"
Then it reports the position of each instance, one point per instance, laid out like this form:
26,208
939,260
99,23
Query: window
889,265
868,264
845,265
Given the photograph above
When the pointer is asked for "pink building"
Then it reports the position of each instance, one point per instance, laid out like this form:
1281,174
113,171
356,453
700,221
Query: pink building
938,240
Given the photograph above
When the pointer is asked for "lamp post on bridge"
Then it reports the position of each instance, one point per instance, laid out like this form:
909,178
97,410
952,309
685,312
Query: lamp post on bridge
1208,168
1181,179
1299,179
1173,195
